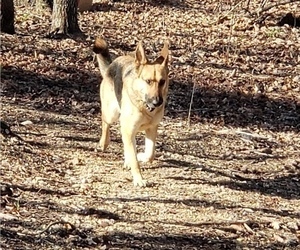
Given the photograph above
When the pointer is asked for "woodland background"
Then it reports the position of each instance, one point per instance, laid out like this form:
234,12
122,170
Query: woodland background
226,175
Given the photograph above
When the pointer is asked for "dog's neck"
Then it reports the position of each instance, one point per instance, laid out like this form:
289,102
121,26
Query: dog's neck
150,114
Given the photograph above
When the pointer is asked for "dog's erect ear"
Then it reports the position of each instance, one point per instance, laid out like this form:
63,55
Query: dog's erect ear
140,56
164,55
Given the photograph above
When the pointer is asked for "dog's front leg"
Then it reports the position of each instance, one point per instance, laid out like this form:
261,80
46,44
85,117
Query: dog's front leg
150,138
128,137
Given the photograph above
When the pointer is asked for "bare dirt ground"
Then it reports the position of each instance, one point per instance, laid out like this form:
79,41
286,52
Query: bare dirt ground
227,178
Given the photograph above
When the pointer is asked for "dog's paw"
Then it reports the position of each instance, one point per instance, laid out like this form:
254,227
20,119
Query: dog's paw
139,182
102,145
126,166
142,157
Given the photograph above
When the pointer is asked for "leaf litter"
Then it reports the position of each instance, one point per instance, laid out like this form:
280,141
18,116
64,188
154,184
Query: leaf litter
227,169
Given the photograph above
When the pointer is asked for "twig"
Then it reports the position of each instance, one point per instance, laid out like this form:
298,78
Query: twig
262,154
220,18
191,102
259,12
55,223
249,229
194,86
245,134
264,2
223,222
250,135
277,4
247,4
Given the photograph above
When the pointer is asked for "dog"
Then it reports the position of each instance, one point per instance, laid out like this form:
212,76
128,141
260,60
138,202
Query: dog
133,90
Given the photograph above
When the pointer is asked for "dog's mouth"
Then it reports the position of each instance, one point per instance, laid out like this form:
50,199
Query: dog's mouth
150,107
153,103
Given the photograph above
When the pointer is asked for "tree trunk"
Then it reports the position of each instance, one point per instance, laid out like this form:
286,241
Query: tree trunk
64,18
7,16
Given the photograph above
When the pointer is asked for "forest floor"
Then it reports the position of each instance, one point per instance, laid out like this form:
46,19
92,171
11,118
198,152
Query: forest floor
226,174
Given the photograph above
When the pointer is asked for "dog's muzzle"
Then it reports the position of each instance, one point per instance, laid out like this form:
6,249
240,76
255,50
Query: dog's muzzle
153,103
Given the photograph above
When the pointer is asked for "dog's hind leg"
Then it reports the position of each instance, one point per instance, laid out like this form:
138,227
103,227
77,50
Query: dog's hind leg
150,137
108,117
110,112
105,136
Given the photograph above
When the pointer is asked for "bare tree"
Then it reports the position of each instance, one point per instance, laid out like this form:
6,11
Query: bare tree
7,16
64,18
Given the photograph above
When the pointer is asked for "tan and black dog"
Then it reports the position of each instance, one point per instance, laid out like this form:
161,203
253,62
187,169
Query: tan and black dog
134,90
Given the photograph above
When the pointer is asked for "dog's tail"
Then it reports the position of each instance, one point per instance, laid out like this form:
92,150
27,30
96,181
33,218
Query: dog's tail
102,53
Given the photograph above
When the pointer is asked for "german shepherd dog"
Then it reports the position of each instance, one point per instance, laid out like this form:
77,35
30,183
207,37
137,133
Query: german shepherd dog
133,90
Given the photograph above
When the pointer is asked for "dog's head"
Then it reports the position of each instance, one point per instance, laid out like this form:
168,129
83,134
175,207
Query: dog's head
152,81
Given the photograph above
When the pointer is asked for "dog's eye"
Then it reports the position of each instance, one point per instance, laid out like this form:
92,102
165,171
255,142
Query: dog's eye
161,82
148,82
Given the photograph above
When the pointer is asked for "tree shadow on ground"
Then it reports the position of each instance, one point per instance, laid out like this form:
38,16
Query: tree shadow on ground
170,3
229,108
284,186
116,240
88,239
41,223
122,240
44,201
54,94
38,190
157,3
202,203
46,211
80,237
233,108
59,233
188,144
60,237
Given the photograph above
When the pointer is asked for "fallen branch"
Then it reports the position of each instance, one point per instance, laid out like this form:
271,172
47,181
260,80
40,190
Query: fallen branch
244,134
55,223
277,4
223,223
260,17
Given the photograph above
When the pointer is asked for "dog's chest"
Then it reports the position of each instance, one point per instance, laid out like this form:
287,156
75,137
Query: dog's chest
148,120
